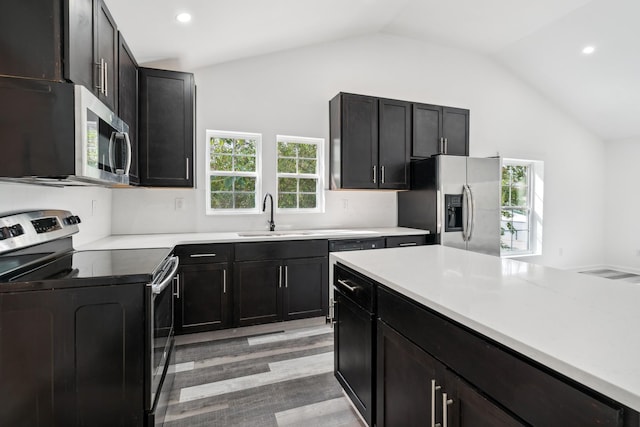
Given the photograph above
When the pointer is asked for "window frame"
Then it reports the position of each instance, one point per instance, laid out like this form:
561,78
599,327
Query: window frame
210,133
534,195
319,175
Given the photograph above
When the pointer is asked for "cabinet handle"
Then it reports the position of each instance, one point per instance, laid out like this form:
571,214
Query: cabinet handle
446,145
442,146
187,169
382,173
106,79
374,174
202,255
409,244
286,276
177,294
224,280
445,403
99,68
344,283
280,276
434,387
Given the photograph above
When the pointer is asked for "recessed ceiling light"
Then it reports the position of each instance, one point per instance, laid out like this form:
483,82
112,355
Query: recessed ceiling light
588,50
184,17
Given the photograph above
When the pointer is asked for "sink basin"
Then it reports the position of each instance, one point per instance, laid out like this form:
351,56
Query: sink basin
274,233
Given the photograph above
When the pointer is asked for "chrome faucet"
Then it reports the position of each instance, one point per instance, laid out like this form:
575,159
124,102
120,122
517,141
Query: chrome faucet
272,225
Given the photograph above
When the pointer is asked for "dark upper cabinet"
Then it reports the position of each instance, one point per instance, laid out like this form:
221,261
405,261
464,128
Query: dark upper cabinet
106,54
165,144
354,141
370,142
439,130
128,101
394,144
31,37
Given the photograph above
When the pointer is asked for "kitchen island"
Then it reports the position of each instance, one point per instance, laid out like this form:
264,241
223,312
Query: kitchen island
493,322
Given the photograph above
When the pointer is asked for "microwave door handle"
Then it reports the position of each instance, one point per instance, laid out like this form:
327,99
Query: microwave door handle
127,167
112,160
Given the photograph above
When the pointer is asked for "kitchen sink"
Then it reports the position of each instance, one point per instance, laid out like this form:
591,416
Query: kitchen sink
275,233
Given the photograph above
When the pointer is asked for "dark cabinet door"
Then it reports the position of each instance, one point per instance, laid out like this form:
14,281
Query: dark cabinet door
106,53
165,144
31,35
455,131
203,302
469,408
409,382
306,288
426,130
128,101
439,130
353,353
79,63
72,357
257,291
358,135
394,144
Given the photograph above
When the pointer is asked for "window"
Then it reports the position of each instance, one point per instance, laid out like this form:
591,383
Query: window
300,174
521,210
233,172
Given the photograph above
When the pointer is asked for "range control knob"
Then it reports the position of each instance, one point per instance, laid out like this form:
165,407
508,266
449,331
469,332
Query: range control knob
16,230
71,220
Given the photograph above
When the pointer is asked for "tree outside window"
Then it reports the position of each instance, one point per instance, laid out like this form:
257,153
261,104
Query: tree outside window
233,165
299,173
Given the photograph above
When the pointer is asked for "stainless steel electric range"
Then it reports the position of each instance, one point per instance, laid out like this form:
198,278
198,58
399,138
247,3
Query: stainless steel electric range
86,337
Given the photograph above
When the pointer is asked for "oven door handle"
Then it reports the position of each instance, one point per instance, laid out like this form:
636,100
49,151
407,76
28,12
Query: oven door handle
157,288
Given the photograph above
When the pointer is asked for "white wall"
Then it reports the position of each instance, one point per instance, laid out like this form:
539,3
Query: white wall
622,202
79,200
288,93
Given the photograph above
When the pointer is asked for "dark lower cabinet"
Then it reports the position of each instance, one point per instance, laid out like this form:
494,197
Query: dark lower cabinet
414,387
73,357
274,281
257,292
166,133
203,301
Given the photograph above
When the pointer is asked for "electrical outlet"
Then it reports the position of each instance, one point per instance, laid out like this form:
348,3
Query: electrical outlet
94,207
345,204
179,204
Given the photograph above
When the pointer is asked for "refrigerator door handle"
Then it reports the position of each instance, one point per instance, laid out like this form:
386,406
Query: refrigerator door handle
439,207
465,212
472,214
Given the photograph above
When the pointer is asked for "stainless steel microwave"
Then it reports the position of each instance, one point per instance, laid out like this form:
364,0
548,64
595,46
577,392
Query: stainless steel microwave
61,134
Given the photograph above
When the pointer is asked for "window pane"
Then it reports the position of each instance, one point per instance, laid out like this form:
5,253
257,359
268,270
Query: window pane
307,201
221,145
245,183
308,150
246,146
307,166
221,200
221,183
308,185
287,200
286,149
245,200
222,163
288,185
245,164
287,165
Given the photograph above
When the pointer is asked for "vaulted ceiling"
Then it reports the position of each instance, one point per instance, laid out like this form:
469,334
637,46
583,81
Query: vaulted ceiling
541,41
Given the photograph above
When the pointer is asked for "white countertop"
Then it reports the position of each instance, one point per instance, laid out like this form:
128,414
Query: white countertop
585,327
135,241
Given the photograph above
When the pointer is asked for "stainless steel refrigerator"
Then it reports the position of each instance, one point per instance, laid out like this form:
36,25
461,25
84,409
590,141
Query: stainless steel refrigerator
458,199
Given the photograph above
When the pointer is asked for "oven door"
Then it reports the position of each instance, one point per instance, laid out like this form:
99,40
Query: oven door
159,329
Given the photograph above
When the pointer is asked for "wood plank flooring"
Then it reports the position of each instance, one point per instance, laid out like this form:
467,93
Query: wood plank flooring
269,375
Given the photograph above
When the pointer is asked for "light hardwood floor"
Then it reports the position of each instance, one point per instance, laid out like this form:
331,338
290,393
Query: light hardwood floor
269,375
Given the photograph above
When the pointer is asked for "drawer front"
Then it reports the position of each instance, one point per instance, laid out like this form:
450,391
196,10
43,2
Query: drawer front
259,251
402,241
204,253
531,391
354,286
